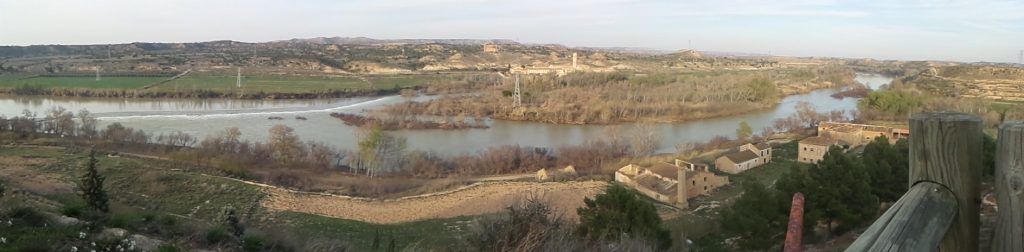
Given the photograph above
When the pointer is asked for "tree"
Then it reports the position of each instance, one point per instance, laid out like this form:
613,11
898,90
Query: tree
619,211
1,189
87,123
889,167
645,140
378,151
285,143
744,131
846,198
755,218
91,187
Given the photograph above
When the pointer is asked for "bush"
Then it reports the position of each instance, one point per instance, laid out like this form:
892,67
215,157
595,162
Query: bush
73,210
217,235
123,220
166,247
253,242
28,216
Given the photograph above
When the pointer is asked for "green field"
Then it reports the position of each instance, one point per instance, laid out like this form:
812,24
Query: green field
79,82
289,84
221,84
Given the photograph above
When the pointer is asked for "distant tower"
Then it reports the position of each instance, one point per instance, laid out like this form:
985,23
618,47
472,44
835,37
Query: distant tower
97,73
517,98
574,61
238,80
1020,58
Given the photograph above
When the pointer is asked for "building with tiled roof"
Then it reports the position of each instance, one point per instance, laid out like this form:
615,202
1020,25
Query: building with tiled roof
661,181
748,157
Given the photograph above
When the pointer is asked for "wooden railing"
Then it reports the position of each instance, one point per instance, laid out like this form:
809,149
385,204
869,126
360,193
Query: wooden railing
941,209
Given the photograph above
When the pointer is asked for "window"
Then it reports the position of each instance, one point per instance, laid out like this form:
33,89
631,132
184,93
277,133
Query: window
694,182
705,179
705,188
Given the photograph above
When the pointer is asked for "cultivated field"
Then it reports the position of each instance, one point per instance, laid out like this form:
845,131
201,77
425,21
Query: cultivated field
289,84
218,83
78,82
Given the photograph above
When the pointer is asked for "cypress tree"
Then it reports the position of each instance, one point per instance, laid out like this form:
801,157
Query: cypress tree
92,187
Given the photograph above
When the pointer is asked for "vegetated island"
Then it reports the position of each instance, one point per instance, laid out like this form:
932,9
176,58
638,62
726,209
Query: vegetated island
396,123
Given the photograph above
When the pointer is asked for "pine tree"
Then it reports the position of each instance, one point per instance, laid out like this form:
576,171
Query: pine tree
619,211
1,189
844,195
92,187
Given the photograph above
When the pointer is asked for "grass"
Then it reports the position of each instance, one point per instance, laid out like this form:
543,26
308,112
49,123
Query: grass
81,82
290,84
138,186
425,234
223,83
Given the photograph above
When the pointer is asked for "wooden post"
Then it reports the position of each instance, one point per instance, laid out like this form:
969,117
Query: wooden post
945,148
1009,231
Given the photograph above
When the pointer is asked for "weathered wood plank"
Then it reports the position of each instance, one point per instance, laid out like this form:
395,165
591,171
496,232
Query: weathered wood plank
916,222
945,148
1009,231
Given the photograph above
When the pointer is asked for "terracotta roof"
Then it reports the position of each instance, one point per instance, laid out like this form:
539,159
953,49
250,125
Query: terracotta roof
743,156
846,128
762,146
665,170
818,140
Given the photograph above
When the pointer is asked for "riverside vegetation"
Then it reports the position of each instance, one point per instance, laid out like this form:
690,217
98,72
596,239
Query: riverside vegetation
605,98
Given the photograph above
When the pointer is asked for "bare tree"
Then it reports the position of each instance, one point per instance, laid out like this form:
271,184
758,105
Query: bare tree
87,124
645,140
284,143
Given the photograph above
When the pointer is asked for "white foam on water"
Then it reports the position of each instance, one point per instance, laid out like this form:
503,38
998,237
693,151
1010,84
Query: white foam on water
236,115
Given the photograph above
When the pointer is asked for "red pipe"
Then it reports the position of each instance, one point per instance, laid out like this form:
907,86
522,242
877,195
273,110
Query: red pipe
794,234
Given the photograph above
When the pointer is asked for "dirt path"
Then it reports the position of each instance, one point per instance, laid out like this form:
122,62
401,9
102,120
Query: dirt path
479,199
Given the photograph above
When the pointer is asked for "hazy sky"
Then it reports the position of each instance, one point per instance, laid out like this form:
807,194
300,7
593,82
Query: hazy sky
961,30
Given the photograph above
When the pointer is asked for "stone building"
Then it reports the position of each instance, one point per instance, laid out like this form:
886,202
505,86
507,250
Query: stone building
845,135
749,156
661,181
569,172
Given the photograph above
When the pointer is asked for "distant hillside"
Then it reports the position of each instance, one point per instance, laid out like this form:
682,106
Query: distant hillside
370,41
352,55
980,81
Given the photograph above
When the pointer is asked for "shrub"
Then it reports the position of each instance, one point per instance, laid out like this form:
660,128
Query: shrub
253,242
166,247
28,216
73,210
123,220
217,235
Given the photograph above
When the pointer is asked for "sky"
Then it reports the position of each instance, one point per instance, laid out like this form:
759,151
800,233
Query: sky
956,30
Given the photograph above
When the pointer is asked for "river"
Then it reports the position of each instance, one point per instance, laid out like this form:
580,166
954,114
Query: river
203,117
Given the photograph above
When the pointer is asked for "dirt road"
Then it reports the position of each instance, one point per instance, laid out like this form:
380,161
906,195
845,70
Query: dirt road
476,200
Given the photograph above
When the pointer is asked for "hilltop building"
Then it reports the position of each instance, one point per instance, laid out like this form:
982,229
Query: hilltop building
661,181
749,156
846,135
